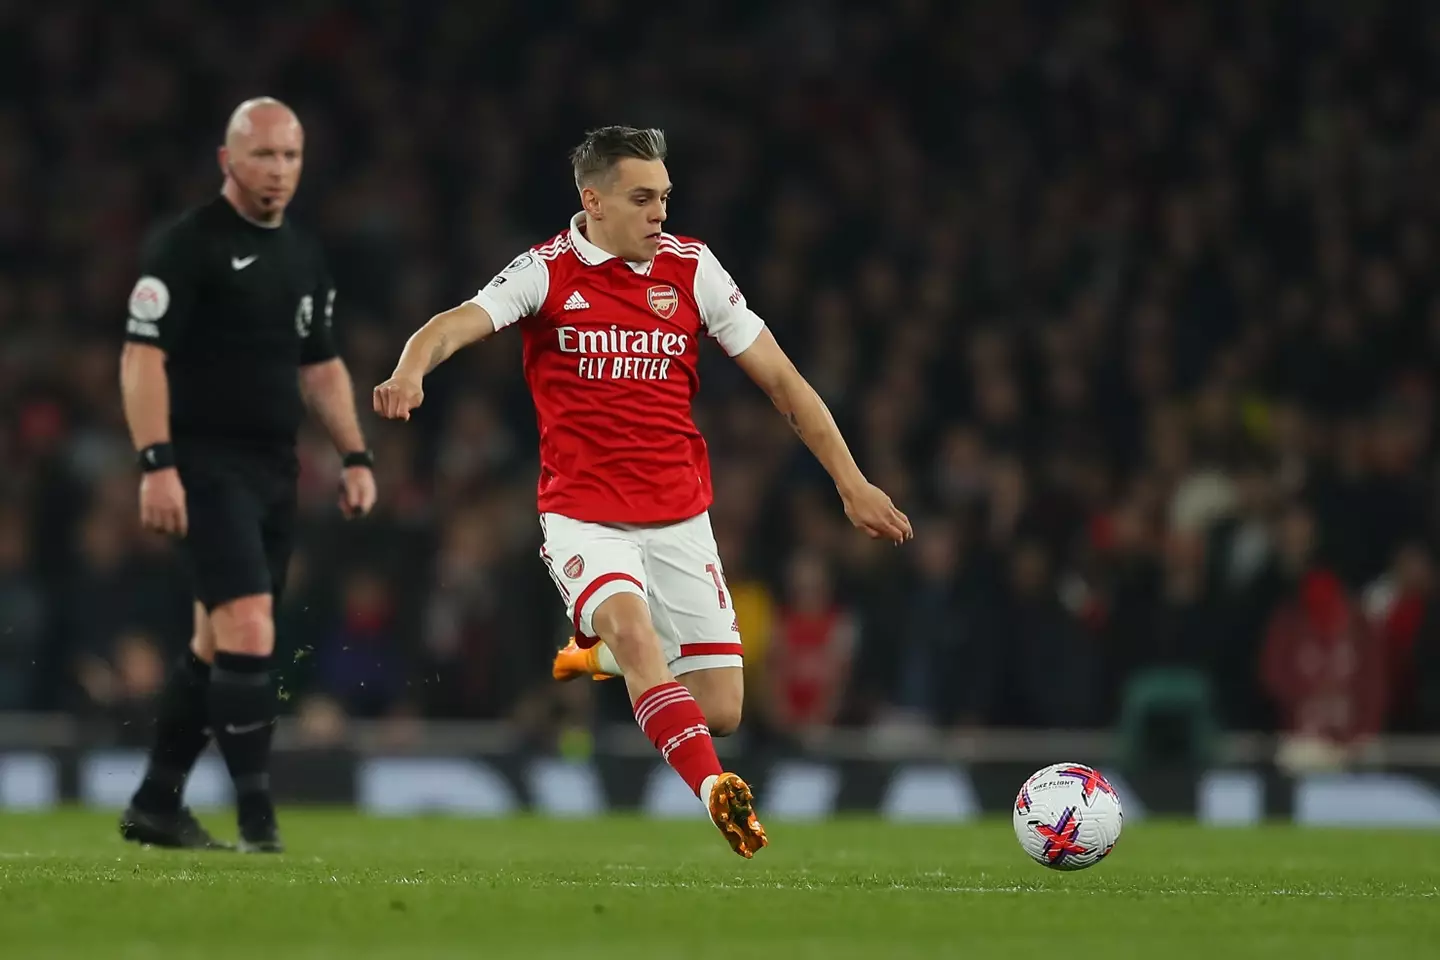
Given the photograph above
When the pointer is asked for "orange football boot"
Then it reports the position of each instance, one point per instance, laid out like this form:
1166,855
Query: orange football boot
571,663
732,808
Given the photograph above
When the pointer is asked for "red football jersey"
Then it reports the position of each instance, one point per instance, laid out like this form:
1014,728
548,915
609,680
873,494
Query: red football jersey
611,352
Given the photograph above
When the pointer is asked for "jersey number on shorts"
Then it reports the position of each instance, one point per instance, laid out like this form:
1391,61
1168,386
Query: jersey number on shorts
714,572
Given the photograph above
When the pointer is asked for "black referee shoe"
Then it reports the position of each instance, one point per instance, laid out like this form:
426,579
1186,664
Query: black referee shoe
260,838
258,833
176,829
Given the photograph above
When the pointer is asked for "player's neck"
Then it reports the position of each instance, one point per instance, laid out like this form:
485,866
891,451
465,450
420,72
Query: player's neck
593,232
231,193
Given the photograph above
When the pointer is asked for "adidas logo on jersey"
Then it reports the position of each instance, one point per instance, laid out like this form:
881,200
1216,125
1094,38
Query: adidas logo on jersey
576,302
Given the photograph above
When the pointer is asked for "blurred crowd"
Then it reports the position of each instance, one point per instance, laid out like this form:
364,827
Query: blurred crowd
1130,305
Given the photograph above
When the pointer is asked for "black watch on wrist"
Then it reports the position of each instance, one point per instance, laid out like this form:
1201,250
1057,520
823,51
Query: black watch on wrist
360,458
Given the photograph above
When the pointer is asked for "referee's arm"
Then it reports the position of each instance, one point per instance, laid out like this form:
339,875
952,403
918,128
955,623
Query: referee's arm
160,305
329,394
145,390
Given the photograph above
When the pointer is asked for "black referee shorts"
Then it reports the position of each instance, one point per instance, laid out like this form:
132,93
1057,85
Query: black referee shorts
241,507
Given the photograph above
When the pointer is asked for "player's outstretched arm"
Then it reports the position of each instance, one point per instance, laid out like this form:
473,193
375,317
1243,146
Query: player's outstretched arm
866,505
427,348
518,291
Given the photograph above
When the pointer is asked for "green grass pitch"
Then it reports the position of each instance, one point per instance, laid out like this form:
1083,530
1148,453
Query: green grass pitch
630,888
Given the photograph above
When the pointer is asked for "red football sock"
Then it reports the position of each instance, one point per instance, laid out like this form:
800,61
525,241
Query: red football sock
672,720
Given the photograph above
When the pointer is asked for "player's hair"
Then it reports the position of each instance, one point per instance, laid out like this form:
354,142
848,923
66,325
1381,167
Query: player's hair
595,158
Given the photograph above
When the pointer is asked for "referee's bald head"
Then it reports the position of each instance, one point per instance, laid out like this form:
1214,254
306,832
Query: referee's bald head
261,159
258,113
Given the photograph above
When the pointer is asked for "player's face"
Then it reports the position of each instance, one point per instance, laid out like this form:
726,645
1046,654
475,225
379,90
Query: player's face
265,162
634,207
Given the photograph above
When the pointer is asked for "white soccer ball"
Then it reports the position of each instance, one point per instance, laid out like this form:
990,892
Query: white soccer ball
1068,817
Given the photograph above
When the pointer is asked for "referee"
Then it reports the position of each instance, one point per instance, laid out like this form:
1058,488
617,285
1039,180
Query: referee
229,340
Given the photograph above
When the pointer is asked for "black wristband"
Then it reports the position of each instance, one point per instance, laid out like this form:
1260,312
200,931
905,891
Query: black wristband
157,456
360,458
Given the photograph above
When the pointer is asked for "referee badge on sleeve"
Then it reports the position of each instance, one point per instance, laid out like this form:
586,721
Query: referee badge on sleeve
304,315
148,303
150,298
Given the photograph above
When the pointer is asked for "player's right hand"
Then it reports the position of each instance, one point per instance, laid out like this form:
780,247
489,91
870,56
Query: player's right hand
396,397
162,502
872,511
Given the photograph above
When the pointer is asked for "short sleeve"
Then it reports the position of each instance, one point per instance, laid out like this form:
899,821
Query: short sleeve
722,306
317,337
516,292
164,295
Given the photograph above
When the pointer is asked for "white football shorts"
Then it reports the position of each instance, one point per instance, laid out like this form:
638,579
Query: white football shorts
674,568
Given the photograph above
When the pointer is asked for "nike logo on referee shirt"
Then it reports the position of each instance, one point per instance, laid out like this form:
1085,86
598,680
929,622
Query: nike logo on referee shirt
235,731
238,264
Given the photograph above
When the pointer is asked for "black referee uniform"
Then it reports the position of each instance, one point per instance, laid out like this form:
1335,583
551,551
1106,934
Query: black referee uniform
237,309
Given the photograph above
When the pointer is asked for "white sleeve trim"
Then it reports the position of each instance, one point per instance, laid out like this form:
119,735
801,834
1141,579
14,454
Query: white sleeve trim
517,292
723,310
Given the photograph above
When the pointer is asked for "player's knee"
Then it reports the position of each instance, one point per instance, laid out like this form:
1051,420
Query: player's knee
723,717
721,695
244,626
203,646
202,641
623,622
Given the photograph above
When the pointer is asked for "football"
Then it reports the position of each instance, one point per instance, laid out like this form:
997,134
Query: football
1067,817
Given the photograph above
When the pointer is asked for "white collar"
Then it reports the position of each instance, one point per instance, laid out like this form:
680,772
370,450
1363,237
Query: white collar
591,255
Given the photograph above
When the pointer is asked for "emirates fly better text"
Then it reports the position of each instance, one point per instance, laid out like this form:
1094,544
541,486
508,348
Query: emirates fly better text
617,354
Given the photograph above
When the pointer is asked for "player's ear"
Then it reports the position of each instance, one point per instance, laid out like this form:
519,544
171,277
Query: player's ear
590,201
223,156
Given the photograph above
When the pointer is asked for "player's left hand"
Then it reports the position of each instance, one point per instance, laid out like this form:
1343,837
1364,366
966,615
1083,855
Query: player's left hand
870,509
357,492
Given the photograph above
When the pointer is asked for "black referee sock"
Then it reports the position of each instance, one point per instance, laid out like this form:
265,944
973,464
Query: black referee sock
242,716
181,721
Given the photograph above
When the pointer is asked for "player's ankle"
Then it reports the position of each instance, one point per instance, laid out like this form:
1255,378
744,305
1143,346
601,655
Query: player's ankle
255,807
675,726
160,791
602,660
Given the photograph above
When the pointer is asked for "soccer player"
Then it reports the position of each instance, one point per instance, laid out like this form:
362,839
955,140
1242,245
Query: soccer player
229,339
611,311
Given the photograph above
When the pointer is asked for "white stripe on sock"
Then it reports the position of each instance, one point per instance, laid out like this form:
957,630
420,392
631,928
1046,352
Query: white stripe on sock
689,733
654,705
670,690
669,693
